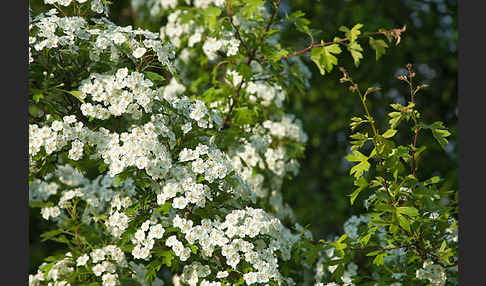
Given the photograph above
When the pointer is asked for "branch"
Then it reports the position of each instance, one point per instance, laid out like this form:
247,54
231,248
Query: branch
237,32
395,32
271,21
267,28
251,56
378,248
413,153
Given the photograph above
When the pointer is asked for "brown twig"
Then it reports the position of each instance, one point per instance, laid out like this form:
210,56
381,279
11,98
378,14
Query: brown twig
395,32
411,75
237,32
377,248
413,152
251,57
77,238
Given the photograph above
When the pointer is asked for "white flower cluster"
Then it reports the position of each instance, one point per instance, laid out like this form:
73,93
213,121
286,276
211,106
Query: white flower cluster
117,222
210,162
193,110
57,273
96,5
192,193
100,194
352,224
40,191
253,158
144,241
234,77
212,45
113,37
141,147
206,3
156,6
288,126
48,212
194,271
178,247
47,30
104,263
64,267
452,233
229,236
432,272
120,93
321,274
265,93
52,31
176,28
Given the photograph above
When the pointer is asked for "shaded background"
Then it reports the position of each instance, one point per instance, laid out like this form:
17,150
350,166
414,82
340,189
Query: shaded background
318,194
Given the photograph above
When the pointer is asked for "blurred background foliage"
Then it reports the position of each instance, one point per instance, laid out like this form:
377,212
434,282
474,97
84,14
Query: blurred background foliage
318,194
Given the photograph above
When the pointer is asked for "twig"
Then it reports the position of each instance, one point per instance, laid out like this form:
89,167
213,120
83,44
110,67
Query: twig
395,32
413,152
411,75
251,56
378,248
237,32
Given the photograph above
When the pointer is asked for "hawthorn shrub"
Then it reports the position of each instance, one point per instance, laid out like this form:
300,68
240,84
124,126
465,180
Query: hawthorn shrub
158,158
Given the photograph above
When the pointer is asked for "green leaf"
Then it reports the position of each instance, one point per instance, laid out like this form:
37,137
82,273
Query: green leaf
50,234
78,94
154,76
168,257
356,52
360,168
37,95
439,131
396,117
389,133
210,15
342,237
410,211
433,180
356,121
123,282
365,239
379,259
165,208
244,115
403,221
251,8
300,22
278,55
440,135
356,156
379,46
359,140
323,57
361,183
352,34
443,246
374,253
